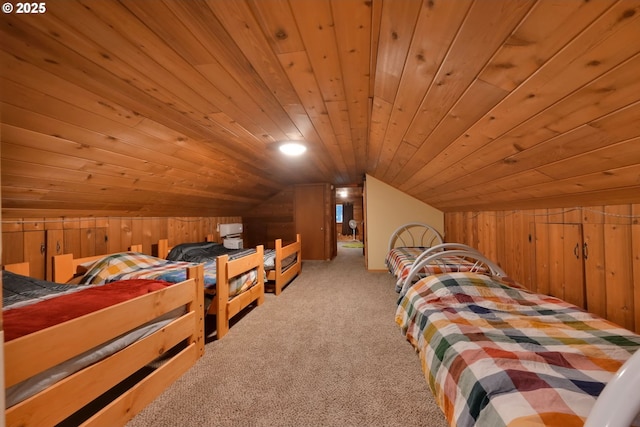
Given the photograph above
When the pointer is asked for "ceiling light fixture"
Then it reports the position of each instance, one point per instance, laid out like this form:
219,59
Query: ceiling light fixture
292,148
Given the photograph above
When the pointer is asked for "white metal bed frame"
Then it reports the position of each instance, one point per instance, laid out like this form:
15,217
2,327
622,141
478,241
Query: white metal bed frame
415,234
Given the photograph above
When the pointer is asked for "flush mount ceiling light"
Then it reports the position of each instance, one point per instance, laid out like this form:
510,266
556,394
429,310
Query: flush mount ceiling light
292,148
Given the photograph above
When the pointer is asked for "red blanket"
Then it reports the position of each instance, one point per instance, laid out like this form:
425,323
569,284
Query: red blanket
25,320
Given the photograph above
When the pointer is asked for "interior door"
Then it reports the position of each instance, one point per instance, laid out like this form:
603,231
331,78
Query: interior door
310,220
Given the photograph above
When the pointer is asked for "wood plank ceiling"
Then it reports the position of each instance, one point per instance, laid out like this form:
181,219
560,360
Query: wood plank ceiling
175,108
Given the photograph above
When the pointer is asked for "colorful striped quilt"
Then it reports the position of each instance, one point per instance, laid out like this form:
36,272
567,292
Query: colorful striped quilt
400,260
494,355
134,265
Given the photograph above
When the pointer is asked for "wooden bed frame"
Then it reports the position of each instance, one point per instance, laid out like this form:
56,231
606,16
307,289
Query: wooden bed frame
65,268
34,353
279,278
282,278
223,307
19,268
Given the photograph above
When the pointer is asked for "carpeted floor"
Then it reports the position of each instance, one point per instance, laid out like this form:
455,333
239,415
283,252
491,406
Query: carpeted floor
326,352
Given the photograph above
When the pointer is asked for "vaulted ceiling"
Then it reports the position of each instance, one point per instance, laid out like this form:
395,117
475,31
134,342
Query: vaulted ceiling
163,108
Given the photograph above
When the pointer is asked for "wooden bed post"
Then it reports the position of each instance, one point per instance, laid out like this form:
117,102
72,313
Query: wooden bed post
163,248
222,296
18,268
63,268
278,285
135,248
260,254
197,273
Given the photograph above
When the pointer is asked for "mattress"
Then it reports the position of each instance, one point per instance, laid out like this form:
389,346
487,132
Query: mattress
494,355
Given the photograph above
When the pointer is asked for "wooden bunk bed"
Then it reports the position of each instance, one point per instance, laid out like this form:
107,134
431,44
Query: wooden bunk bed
233,284
494,353
281,264
110,390
224,307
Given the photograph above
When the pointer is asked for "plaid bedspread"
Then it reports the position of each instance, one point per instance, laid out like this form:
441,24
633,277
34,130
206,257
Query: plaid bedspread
400,260
134,265
496,356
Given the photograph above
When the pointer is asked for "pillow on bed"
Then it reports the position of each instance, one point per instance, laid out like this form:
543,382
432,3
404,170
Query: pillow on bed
109,268
77,280
85,266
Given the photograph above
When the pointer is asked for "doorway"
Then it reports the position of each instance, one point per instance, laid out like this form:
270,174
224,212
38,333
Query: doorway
349,218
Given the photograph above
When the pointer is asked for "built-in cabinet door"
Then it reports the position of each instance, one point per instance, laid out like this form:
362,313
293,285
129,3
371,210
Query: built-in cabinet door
55,246
594,269
38,247
84,242
32,246
560,262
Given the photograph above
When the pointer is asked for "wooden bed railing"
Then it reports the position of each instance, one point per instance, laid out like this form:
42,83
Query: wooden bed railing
36,352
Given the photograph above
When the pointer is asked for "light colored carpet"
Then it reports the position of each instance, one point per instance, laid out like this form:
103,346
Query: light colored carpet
326,352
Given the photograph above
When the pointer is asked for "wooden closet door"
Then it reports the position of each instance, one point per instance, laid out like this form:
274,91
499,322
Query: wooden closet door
55,246
310,220
595,269
560,263
34,253
573,274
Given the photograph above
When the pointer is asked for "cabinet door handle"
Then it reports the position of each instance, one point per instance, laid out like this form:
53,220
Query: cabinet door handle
576,251
585,250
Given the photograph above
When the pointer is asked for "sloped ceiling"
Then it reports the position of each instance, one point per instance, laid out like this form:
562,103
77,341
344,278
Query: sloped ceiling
176,107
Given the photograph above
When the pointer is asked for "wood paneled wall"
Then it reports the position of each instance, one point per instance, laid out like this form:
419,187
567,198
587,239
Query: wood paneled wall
271,220
37,239
531,246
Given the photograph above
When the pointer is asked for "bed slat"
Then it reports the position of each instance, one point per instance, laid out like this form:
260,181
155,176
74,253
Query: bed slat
84,386
124,408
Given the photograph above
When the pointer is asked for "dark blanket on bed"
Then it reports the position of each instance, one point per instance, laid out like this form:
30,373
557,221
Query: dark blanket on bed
198,252
31,318
19,289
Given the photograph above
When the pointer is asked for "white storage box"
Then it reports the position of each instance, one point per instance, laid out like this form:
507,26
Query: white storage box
232,243
230,229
